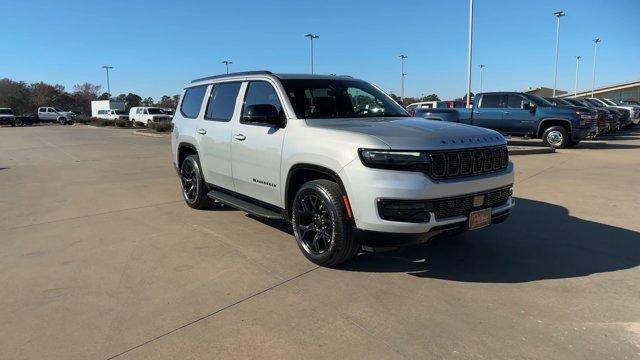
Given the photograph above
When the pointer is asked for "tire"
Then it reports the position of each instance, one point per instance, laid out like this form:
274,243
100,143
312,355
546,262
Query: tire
556,137
194,189
62,121
572,143
70,122
18,122
316,207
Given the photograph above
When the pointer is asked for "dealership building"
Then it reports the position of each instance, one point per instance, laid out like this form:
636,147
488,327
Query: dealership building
626,91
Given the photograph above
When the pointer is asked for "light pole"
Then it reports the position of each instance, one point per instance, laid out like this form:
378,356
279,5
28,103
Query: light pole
106,67
558,15
482,66
596,41
227,63
469,52
402,74
575,88
311,37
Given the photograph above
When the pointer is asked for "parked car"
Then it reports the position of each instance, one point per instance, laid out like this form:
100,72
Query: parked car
624,115
148,115
522,114
112,115
449,104
634,110
98,107
7,117
339,159
603,125
613,115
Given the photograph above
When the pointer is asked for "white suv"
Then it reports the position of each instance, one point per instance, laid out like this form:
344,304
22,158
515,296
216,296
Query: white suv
339,159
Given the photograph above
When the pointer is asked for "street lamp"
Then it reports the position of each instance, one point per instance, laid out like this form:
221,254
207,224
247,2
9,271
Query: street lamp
558,15
482,66
596,41
106,67
575,88
469,52
311,37
227,63
402,74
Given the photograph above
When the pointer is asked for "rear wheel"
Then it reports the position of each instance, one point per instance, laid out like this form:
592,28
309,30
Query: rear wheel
194,190
320,224
18,122
556,137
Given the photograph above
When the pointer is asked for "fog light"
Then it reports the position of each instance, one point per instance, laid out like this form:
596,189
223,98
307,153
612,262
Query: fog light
402,210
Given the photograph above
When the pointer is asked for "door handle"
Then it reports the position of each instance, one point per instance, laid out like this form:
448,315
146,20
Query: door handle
239,137
201,131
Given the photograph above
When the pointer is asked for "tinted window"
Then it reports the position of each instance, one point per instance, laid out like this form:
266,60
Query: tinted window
339,98
261,93
191,101
6,112
492,101
514,101
157,111
222,101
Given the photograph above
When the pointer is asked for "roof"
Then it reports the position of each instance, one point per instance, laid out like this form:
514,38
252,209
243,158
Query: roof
606,88
279,76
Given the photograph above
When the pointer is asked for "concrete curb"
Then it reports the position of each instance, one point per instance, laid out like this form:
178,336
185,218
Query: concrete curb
144,133
518,150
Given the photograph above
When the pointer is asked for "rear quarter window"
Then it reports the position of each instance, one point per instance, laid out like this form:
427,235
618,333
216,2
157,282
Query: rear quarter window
192,101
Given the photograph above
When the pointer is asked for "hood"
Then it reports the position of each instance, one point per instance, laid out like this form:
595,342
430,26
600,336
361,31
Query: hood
412,133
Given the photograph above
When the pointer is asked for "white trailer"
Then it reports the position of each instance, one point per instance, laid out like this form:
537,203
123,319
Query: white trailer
98,105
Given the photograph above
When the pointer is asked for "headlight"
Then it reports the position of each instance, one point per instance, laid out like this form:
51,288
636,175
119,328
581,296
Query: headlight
403,160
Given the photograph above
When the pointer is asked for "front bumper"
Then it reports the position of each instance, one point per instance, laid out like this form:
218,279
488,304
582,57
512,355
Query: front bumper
582,133
365,187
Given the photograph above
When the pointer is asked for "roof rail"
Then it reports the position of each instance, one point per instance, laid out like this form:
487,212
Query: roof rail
261,72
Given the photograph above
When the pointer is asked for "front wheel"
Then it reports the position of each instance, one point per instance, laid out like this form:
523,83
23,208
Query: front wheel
62,121
320,224
194,190
17,122
556,137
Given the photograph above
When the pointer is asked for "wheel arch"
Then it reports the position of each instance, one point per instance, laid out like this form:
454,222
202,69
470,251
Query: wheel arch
546,123
301,173
185,149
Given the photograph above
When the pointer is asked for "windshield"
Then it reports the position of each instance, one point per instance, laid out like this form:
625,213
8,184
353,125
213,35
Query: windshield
156,111
338,98
539,101
58,109
562,102
579,102
120,112
609,102
6,112
595,102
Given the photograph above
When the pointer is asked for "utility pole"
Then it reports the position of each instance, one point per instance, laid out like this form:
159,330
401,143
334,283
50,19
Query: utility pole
311,37
482,66
575,88
558,15
469,52
227,63
106,67
402,74
596,41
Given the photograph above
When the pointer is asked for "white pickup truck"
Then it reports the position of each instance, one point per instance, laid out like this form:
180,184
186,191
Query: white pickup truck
46,114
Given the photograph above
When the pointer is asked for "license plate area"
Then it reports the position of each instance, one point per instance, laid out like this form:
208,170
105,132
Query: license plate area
479,219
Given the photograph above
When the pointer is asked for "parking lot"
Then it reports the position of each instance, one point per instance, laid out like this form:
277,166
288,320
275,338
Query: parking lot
100,258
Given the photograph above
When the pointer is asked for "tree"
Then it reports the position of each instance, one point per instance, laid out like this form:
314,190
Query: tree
44,94
432,97
15,95
147,102
83,95
168,102
104,96
132,100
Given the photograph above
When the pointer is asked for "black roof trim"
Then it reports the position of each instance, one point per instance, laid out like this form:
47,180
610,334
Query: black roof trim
261,72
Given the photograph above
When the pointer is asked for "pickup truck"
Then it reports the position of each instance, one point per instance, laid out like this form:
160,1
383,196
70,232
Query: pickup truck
339,159
47,115
522,114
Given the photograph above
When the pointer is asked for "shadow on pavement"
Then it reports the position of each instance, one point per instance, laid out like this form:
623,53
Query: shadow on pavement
539,241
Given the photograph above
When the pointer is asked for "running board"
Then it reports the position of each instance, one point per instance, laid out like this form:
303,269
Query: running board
244,205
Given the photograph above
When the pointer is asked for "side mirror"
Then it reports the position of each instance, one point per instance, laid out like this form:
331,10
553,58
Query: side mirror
526,105
262,114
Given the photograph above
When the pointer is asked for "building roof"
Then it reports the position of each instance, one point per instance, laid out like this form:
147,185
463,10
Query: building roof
606,88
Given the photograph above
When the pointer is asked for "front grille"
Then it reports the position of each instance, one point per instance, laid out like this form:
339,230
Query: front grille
464,204
459,163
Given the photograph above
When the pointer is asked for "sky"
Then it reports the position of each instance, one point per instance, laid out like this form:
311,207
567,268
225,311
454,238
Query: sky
157,47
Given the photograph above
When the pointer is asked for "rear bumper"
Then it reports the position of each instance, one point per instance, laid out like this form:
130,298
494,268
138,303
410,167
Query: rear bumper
438,227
